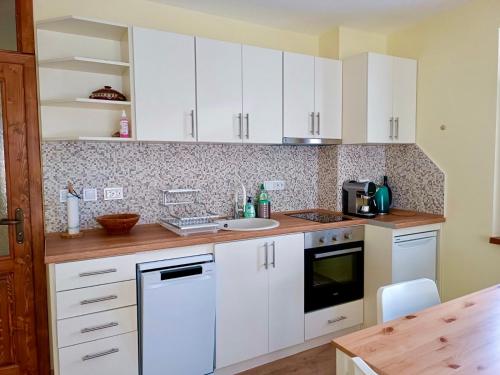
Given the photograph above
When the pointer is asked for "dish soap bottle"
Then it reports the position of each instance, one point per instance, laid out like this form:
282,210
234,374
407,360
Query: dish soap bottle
263,207
124,128
249,209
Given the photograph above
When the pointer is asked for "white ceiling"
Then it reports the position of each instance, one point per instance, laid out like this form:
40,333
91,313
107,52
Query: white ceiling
317,16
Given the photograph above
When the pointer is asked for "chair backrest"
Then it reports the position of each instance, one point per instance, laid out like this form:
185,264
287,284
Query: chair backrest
361,368
397,300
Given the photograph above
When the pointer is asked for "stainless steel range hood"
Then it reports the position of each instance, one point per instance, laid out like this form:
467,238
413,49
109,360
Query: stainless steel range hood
311,141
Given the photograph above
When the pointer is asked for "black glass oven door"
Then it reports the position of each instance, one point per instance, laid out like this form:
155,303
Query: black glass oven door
333,275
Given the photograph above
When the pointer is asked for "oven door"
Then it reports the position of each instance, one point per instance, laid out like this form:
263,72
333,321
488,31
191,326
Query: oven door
333,275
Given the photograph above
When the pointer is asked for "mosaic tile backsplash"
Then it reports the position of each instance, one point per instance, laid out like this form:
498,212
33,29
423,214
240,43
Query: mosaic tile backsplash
313,175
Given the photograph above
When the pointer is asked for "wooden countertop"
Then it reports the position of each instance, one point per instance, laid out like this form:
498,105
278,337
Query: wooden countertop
96,243
398,219
459,337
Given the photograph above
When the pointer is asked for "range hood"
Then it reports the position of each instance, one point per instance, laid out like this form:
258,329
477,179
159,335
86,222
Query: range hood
311,141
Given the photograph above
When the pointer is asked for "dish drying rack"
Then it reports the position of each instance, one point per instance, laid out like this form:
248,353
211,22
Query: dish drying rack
185,214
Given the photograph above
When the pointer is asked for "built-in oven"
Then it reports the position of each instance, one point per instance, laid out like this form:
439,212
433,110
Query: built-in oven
333,267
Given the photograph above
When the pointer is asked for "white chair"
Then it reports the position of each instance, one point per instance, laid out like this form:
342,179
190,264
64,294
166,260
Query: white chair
361,368
397,300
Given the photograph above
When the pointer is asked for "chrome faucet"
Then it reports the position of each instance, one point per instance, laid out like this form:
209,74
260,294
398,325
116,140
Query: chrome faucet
239,208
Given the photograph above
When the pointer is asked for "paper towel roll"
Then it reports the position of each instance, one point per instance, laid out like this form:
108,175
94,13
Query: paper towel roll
73,214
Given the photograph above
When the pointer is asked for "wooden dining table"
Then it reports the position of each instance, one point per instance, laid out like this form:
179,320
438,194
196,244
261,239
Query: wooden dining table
458,337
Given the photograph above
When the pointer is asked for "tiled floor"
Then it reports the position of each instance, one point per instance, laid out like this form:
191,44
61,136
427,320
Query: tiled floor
317,361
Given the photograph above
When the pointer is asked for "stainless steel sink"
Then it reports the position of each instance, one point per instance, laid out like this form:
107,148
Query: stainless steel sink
246,225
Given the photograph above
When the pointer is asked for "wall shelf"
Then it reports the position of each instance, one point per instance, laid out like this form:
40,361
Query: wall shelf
84,26
86,103
86,64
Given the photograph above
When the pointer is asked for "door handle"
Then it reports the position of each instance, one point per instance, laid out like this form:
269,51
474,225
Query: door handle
273,244
247,118
266,254
191,114
18,222
240,124
397,128
318,131
312,122
391,124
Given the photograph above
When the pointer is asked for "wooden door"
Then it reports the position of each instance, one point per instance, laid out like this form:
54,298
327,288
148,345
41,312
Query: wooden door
404,99
380,115
262,95
242,301
18,341
328,98
164,76
286,291
219,91
298,96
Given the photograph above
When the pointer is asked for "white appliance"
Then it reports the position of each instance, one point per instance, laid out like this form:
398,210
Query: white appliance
177,316
414,256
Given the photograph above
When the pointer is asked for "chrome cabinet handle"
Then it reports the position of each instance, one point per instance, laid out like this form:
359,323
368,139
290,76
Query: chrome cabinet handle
391,124
100,272
397,128
97,328
99,299
266,253
273,244
336,320
100,354
193,135
247,118
312,122
240,123
318,130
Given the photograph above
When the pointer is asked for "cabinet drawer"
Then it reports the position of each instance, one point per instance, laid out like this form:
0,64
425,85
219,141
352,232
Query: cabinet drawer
114,355
96,326
332,319
92,272
96,298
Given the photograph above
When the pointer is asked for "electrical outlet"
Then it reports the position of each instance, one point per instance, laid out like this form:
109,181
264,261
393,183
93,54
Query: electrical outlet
113,193
63,195
274,185
89,195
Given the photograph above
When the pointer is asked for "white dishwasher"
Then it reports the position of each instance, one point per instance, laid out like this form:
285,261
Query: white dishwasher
414,256
177,316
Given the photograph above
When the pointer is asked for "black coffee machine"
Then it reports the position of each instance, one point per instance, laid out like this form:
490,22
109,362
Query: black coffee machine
358,199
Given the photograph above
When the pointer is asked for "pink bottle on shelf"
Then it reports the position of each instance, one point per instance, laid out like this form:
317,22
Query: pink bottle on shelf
124,126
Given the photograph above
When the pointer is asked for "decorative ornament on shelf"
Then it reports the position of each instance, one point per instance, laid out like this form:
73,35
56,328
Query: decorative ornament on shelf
108,93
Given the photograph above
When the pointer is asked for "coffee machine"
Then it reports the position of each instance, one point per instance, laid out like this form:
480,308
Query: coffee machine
358,199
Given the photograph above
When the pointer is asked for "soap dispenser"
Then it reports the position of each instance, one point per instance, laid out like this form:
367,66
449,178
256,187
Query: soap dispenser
249,208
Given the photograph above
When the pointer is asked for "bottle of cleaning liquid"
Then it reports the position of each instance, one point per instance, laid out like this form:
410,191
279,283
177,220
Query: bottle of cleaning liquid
124,128
263,206
249,208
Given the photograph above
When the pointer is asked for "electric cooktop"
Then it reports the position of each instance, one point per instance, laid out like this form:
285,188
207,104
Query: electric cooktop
320,217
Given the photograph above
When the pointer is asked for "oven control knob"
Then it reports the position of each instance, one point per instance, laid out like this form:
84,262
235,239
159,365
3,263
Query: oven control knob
322,240
348,236
335,238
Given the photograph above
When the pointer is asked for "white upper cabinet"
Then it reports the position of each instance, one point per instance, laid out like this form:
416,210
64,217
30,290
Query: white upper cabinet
262,95
379,99
328,97
312,101
219,91
298,95
165,89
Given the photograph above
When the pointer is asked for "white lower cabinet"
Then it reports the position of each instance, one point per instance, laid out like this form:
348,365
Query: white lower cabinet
260,297
333,319
113,355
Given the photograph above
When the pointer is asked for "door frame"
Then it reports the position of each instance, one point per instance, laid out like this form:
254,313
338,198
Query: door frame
25,56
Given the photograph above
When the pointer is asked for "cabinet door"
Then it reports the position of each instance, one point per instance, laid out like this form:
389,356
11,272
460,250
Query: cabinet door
404,99
298,95
286,291
262,95
379,92
328,98
219,91
242,301
164,80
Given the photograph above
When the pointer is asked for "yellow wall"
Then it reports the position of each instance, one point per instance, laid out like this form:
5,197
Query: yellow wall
353,42
155,15
457,87
328,44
